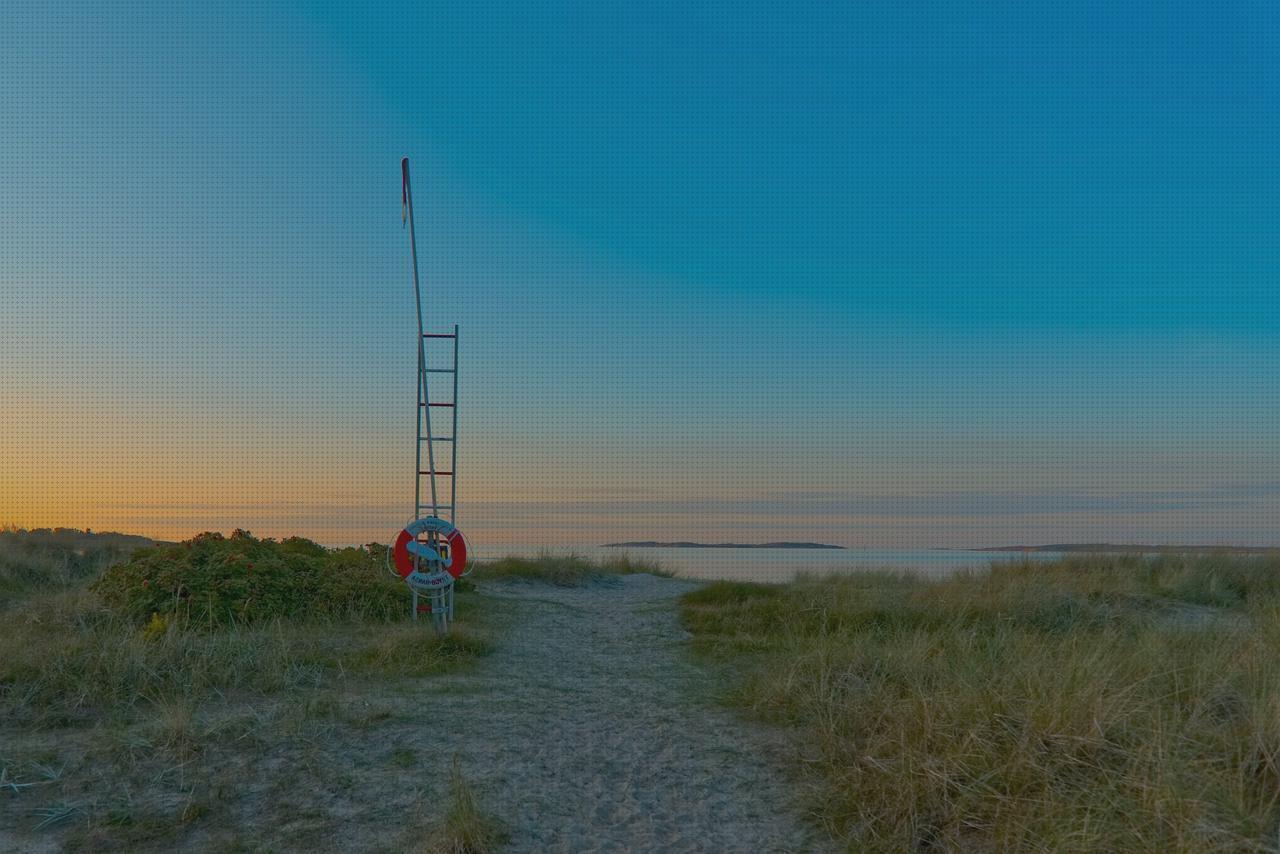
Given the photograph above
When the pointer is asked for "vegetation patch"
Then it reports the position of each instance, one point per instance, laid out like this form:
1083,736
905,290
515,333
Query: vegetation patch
212,580
1098,703
43,557
567,570
464,828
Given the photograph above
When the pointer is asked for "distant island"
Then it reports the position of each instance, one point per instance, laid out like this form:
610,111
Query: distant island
1128,548
653,544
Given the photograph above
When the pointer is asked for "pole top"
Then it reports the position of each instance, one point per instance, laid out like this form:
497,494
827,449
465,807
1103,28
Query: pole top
404,189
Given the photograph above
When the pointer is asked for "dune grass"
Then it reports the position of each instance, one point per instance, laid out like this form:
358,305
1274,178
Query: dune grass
1098,703
566,570
58,557
65,658
464,827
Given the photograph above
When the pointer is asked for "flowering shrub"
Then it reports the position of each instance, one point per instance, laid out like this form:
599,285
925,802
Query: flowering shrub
214,580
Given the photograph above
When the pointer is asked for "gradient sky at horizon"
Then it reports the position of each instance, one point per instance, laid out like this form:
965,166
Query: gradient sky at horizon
874,274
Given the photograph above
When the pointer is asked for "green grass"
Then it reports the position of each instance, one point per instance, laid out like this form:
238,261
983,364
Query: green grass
65,658
1098,703
464,827
566,570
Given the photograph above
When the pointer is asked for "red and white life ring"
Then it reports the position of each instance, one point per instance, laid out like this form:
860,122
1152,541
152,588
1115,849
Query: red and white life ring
407,546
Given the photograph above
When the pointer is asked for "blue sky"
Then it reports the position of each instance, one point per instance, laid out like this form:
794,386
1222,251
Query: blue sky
878,273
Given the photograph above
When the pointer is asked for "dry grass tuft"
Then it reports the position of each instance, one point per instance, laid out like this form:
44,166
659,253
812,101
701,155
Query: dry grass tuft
465,828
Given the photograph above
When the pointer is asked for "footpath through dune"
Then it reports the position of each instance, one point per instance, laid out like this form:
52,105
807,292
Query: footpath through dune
592,729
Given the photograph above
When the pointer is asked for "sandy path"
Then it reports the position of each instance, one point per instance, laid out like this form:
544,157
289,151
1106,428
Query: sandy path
591,729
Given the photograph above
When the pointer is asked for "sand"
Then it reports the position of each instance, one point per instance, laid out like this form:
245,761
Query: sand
592,729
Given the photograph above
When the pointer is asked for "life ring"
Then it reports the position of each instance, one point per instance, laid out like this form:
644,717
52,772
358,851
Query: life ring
407,546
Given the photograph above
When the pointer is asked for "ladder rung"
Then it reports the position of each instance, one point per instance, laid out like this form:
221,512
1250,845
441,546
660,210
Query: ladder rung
441,370
439,473
438,335
437,404
435,438
438,506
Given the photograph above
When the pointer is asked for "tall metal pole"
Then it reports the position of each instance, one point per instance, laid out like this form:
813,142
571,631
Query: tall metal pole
424,408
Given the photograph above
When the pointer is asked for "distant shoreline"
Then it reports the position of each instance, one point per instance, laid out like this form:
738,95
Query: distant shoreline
652,544
1128,548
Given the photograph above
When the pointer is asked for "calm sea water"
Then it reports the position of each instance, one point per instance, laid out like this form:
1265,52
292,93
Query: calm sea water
784,564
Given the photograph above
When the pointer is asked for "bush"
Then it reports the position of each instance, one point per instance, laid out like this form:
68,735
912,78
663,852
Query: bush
215,580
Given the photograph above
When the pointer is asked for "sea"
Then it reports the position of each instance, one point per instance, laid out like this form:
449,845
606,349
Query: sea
779,565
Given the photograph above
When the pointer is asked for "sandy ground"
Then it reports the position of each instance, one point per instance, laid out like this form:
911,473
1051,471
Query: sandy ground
593,730
589,728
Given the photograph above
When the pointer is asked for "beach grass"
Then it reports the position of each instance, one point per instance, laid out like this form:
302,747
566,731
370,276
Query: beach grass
568,569
1098,703
58,557
464,827
65,658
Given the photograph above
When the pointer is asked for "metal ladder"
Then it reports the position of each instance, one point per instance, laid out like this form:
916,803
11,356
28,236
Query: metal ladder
427,437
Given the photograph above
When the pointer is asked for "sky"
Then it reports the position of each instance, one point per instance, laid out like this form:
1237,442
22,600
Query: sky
883,274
